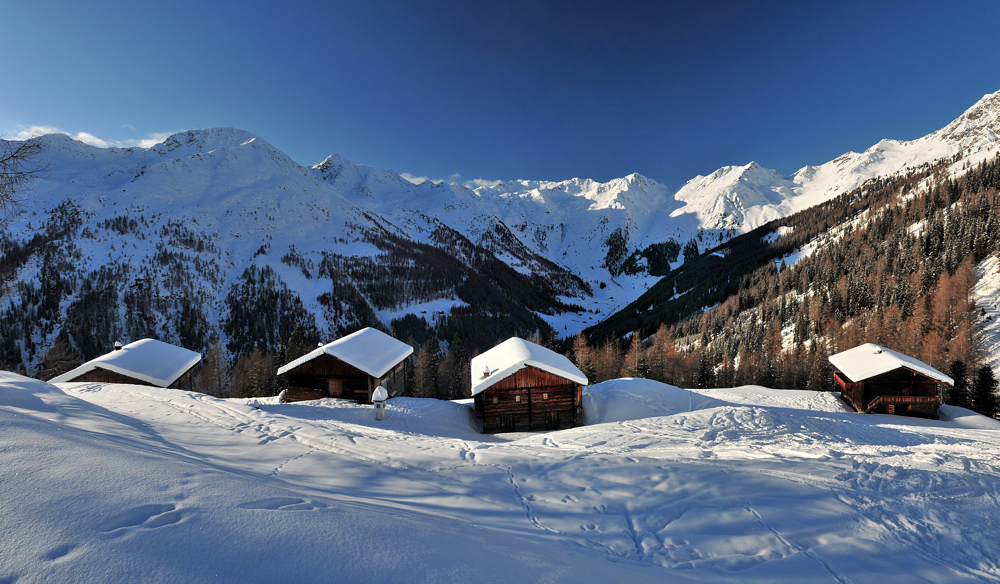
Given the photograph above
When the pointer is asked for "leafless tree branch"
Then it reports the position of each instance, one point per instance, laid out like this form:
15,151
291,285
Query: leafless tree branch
19,165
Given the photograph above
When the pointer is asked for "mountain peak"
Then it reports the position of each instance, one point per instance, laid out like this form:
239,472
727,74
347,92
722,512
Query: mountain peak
209,139
331,163
977,126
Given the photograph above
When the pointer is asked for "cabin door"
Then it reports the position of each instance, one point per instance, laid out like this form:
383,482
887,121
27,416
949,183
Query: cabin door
335,387
506,423
551,420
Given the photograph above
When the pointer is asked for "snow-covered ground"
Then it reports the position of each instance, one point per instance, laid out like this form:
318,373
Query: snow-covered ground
986,295
121,483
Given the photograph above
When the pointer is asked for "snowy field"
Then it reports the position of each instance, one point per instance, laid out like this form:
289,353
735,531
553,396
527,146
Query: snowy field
120,483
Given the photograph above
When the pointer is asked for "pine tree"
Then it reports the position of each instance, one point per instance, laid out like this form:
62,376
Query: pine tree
959,395
297,345
691,250
446,374
984,392
553,343
461,380
426,370
60,359
705,376
409,369
726,373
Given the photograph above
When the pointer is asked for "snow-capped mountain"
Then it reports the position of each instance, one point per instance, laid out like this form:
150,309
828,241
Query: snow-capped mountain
573,222
219,214
741,198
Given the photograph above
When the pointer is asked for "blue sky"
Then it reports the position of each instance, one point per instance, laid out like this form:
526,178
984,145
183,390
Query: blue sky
505,90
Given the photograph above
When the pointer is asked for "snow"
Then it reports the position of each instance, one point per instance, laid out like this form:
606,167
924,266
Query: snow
515,354
430,310
868,360
621,400
368,349
986,295
149,360
380,394
240,195
125,483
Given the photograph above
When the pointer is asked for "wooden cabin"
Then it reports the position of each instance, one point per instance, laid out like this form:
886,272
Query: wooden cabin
350,367
875,379
519,386
144,362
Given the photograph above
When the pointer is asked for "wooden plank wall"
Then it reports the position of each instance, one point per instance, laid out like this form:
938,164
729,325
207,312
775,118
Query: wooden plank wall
529,400
393,380
853,393
899,382
355,383
186,381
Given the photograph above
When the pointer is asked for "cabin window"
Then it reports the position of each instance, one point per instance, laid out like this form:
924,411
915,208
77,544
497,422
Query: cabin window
545,396
495,399
517,398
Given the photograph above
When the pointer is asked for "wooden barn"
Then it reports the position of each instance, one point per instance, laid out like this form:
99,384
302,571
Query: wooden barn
875,379
520,386
144,362
350,367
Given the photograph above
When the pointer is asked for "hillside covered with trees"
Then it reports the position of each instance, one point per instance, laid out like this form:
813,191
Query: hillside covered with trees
892,262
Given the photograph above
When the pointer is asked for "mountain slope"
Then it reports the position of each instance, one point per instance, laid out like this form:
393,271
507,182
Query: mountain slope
166,241
215,233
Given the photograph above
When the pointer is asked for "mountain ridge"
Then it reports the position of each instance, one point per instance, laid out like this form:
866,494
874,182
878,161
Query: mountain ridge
595,246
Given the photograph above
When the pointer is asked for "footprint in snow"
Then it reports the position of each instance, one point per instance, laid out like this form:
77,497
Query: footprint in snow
146,516
61,552
283,504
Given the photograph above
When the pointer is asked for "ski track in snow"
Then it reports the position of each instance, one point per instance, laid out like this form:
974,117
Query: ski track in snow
700,489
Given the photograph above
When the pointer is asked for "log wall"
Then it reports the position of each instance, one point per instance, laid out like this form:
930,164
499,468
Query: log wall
331,377
99,375
897,383
530,400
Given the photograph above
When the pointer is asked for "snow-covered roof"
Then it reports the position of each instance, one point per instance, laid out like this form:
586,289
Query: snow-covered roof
380,394
868,360
515,354
149,360
368,349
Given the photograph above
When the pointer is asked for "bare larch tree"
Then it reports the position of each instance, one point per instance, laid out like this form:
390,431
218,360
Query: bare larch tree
19,165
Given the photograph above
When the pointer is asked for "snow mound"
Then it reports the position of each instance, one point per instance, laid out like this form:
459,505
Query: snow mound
799,399
22,392
620,400
964,418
